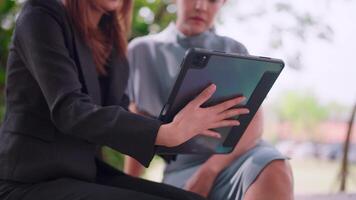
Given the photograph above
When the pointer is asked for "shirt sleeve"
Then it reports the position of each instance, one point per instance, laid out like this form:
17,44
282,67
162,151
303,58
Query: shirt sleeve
132,68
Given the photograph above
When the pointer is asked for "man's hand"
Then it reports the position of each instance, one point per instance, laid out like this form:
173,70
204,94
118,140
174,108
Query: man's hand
201,182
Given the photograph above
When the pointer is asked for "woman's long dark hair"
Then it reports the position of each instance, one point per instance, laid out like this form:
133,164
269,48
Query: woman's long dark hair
113,29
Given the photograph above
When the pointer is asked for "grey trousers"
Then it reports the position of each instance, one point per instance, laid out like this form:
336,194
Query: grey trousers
233,182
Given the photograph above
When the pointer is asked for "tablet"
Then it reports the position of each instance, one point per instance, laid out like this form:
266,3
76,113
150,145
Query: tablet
234,75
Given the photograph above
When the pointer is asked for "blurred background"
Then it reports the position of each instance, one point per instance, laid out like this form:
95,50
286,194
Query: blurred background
310,111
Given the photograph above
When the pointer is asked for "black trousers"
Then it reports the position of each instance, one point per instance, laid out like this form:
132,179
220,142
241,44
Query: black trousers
110,185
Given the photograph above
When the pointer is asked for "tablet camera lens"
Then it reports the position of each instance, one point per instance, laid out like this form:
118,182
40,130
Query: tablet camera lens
200,61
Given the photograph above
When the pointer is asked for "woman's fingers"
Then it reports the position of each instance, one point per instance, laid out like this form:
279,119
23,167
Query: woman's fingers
204,95
211,133
228,104
224,123
232,113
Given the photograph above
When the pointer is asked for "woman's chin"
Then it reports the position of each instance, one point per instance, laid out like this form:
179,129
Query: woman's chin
196,30
112,5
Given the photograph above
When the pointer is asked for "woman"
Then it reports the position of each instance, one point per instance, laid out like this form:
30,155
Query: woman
67,72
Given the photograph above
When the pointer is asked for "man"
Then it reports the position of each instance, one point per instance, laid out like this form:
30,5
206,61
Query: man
254,170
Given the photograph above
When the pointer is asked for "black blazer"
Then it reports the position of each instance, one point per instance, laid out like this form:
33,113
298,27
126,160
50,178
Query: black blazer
54,120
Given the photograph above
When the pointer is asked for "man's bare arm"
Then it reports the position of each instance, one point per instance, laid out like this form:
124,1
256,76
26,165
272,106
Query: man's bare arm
202,181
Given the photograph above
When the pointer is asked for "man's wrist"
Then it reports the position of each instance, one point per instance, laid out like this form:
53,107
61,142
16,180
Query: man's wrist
211,168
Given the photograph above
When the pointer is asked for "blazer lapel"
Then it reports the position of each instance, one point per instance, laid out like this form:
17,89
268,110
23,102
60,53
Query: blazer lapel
118,69
88,70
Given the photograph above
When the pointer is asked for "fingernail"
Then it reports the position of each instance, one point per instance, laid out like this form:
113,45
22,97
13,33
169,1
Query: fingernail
211,88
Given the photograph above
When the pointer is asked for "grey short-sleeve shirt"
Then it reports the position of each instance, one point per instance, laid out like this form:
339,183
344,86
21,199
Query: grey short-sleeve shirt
154,65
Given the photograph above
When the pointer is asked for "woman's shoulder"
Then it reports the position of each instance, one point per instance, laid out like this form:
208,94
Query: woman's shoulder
141,41
39,11
147,41
42,22
152,41
231,45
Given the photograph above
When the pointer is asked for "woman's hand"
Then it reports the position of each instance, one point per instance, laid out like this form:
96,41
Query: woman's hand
193,119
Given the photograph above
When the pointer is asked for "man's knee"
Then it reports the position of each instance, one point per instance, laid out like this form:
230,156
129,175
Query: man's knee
279,172
274,182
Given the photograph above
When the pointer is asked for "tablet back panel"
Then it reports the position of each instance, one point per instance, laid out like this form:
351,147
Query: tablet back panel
233,75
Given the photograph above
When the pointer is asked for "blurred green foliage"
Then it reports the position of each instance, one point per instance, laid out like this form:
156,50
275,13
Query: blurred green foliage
302,110
151,16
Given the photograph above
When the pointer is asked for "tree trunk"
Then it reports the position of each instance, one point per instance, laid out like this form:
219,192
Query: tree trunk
344,164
